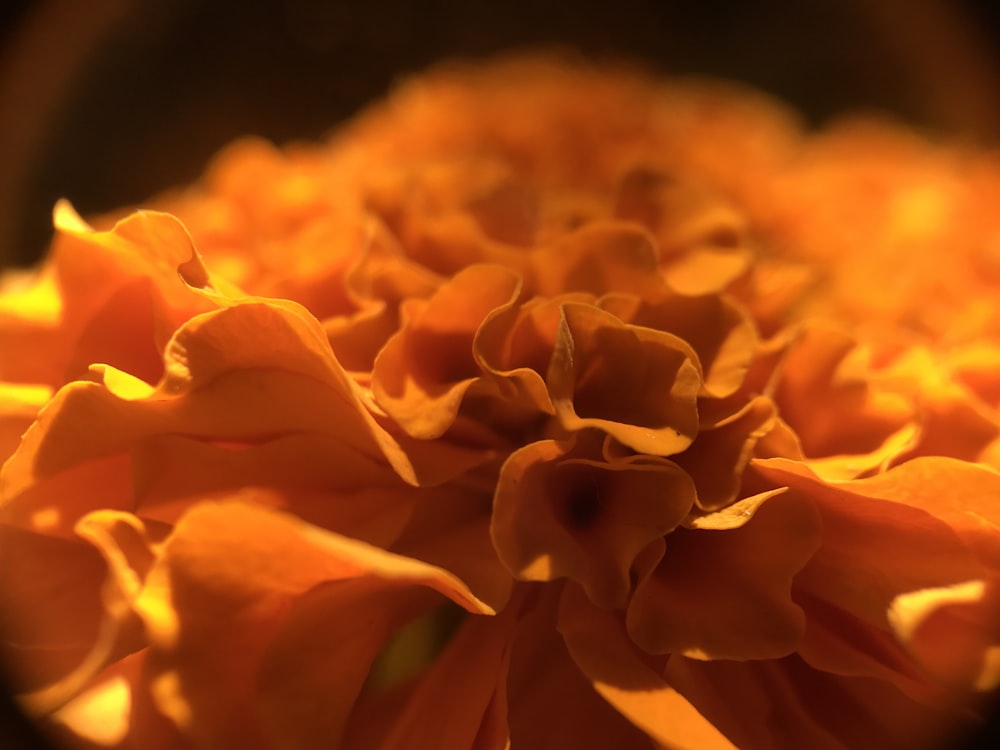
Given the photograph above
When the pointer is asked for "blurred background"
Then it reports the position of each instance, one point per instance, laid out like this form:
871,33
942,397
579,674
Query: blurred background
107,102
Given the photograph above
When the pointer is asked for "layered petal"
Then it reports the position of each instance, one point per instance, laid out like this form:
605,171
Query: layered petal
735,566
628,680
637,384
424,371
559,512
252,613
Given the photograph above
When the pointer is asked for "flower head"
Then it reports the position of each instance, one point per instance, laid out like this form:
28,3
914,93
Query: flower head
544,405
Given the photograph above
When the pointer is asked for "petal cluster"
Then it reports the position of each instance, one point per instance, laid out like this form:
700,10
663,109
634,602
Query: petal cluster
542,405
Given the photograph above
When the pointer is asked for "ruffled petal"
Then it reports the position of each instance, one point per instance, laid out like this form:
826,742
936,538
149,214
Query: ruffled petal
116,297
710,578
638,385
719,332
559,512
824,392
424,371
716,460
224,383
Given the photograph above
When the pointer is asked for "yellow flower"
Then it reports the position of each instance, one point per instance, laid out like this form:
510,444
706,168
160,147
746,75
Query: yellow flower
544,405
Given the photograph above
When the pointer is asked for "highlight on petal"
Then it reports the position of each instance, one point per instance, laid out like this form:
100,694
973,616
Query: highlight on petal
128,549
223,383
709,578
19,405
953,632
598,644
638,385
886,539
114,297
560,512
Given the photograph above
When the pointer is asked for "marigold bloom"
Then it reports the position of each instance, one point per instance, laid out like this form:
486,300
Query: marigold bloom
544,405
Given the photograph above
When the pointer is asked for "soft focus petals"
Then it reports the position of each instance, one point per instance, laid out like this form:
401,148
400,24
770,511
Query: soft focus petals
128,548
114,712
612,257
702,240
312,610
782,703
636,384
545,405
52,604
560,513
598,644
954,420
953,632
709,578
19,405
824,393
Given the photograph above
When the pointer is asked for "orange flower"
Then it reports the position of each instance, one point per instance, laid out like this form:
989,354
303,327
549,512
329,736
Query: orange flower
544,405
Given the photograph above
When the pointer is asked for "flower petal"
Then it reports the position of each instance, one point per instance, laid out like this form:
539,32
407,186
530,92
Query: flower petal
709,579
424,371
461,701
224,383
559,512
953,632
636,384
551,704
597,642
824,392
781,703
716,459
253,613
602,258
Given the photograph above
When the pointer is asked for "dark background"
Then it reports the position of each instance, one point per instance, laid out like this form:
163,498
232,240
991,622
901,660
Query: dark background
107,102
